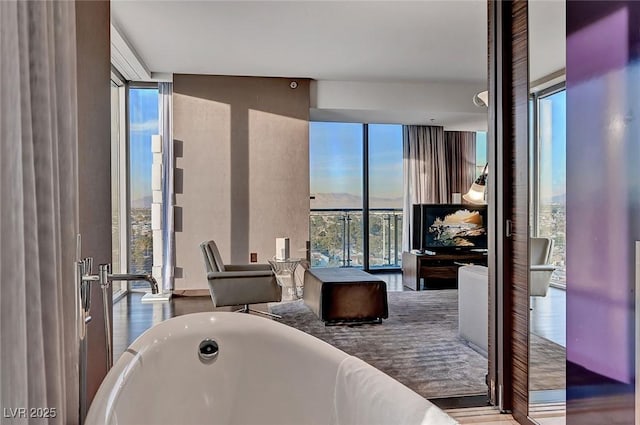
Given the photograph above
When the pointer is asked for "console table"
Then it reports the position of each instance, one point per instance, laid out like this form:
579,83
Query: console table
437,270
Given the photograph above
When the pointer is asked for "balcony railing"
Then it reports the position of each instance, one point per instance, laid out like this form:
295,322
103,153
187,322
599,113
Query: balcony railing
336,237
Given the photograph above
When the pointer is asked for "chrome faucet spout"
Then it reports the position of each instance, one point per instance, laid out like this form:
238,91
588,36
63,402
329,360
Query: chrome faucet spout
126,276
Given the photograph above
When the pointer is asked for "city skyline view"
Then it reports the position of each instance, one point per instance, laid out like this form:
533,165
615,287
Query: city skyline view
143,123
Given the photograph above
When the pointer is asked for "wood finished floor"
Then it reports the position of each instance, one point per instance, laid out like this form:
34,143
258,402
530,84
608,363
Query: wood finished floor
131,317
481,416
549,316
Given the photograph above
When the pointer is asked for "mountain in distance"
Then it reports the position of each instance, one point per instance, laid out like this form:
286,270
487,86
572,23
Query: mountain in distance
559,199
144,202
348,200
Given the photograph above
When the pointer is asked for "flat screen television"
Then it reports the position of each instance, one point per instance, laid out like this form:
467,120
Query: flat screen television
449,227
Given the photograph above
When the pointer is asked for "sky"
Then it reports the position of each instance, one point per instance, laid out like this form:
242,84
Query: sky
553,145
335,156
143,123
481,151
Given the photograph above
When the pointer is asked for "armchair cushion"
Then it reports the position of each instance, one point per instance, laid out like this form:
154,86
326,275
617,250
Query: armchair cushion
238,284
239,275
213,259
230,290
246,267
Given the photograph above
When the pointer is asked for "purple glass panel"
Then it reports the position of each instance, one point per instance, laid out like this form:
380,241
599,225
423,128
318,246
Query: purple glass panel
603,168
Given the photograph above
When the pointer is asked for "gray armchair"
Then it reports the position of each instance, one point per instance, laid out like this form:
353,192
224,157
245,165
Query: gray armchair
239,284
541,269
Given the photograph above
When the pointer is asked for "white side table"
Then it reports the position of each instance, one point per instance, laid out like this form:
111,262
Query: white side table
284,274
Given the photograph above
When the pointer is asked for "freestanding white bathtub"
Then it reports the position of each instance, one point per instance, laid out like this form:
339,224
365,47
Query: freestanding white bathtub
264,373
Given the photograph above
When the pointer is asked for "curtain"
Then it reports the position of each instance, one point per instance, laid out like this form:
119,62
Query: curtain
461,158
38,221
424,172
436,163
168,194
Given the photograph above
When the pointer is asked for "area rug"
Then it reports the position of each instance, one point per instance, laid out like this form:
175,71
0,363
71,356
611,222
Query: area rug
418,344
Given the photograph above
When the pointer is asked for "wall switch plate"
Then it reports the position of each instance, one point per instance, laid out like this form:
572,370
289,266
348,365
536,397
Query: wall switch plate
254,257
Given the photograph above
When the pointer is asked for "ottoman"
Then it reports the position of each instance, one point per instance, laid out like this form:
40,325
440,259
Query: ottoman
345,295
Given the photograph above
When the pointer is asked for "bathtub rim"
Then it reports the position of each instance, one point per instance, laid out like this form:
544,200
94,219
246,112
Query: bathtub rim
100,409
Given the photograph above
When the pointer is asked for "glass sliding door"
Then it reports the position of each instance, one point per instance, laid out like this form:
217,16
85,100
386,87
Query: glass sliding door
143,123
335,222
385,195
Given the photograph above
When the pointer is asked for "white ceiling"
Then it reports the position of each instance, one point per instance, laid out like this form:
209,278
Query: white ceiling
376,41
547,37
327,40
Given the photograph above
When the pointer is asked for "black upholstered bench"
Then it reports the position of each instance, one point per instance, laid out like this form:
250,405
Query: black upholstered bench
345,295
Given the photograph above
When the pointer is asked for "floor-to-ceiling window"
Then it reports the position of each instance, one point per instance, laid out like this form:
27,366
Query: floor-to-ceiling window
385,195
356,215
547,316
550,176
356,185
335,155
143,123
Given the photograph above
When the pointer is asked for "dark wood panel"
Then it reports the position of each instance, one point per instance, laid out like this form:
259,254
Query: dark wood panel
508,129
520,210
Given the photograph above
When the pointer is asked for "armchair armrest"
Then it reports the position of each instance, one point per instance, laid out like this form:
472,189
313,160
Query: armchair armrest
246,267
543,268
239,275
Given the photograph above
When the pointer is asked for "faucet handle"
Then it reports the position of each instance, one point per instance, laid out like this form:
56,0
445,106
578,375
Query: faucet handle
87,264
103,273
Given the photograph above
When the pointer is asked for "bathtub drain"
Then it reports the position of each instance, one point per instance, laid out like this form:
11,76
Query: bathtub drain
208,350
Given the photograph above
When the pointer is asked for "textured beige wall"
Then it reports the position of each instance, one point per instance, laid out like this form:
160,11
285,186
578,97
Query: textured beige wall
243,169
94,158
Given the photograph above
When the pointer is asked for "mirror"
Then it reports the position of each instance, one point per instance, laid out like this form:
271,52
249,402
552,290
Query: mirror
547,203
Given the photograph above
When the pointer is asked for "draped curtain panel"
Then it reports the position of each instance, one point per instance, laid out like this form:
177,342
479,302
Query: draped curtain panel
38,221
424,172
168,194
461,159
436,163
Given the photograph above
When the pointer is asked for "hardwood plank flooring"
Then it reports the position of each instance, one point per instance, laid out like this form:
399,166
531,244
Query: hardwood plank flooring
481,416
549,413
131,317
549,316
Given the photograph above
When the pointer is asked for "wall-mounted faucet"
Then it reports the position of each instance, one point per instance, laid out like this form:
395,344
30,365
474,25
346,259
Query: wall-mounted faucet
84,278
106,277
